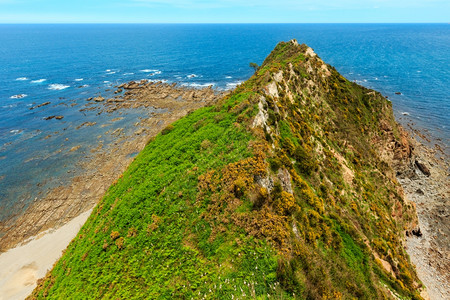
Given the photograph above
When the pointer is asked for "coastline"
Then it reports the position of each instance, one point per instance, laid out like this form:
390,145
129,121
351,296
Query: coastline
52,222
55,220
429,250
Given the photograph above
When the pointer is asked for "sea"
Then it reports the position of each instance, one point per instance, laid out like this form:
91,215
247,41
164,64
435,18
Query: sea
66,64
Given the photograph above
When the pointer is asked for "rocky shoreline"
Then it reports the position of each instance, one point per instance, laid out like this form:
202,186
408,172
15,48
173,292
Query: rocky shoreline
426,183
65,202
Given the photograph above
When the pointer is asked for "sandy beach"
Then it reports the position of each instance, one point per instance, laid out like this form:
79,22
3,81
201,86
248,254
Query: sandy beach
21,267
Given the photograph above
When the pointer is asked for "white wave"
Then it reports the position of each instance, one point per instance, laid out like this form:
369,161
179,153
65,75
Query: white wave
22,79
199,85
405,113
79,79
9,106
128,73
192,76
149,71
38,81
108,70
232,85
228,77
106,81
153,80
419,71
365,80
16,131
155,73
19,96
110,73
57,87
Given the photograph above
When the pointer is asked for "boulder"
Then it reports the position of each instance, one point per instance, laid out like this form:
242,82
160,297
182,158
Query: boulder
423,168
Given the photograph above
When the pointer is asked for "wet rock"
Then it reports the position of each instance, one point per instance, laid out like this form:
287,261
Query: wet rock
398,93
99,99
87,124
59,117
129,86
40,105
75,148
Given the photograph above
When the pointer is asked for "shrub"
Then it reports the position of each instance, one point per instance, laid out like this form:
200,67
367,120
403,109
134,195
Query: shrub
114,235
168,129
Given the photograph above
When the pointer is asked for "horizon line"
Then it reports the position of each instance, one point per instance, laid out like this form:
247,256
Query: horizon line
209,23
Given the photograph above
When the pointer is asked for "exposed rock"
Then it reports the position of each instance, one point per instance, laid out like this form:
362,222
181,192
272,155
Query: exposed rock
420,192
265,182
423,168
272,89
285,179
54,117
40,105
310,52
86,124
75,148
278,77
99,99
262,116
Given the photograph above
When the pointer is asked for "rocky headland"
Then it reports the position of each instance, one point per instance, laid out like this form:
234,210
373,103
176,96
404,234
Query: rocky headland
318,189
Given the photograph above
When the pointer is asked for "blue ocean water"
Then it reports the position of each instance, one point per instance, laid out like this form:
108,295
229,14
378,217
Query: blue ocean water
65,64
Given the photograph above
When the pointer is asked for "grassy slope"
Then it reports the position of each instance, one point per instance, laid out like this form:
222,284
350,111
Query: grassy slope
191,219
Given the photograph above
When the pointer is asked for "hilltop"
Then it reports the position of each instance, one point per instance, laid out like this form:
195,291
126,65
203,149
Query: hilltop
284,188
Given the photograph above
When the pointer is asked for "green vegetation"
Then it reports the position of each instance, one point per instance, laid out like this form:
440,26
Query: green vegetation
254,66
219,206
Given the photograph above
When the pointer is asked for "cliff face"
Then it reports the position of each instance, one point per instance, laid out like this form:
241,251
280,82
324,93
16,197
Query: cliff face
285,188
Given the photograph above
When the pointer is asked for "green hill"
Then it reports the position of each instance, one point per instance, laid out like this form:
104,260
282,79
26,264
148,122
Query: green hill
284,189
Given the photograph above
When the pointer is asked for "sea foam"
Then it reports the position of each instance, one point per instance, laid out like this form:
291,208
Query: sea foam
19,96
199,85
38,81
150,71
57,87
22,79
232,85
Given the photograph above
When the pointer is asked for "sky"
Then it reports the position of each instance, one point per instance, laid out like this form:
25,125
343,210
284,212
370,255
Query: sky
224,11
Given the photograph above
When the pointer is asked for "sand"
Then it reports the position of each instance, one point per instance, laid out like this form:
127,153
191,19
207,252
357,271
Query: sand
21,267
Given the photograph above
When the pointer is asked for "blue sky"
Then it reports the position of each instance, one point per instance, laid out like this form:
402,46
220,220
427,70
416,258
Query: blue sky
224,11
